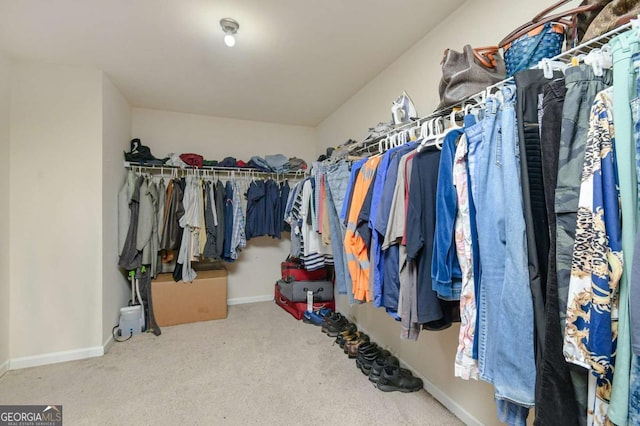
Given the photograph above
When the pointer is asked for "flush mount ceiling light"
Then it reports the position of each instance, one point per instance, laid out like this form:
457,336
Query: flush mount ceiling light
230,27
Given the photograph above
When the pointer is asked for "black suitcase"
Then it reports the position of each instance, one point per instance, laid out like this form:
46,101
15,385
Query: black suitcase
296,291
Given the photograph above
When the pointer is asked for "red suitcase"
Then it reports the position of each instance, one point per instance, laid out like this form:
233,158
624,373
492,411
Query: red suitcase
294,271
297,309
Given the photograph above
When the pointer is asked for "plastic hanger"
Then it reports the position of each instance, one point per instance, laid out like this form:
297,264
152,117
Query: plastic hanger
436,125
424,130
413,135
599,59
453,125
548,67
402,138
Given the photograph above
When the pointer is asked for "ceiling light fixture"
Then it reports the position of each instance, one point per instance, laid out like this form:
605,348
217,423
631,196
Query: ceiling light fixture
230,27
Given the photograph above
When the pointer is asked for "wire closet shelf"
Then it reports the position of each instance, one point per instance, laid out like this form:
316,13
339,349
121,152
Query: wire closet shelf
371,146
210,171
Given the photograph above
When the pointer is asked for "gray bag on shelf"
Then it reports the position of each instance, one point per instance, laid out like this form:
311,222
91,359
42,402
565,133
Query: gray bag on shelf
468,73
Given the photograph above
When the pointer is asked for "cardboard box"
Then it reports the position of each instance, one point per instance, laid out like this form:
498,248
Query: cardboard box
201,300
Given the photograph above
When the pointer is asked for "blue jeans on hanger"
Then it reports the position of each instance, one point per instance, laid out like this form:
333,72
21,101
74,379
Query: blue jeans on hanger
337,176
506,355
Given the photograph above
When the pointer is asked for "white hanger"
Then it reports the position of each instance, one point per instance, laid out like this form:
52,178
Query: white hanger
599,59
548,67
382,143
402,138
436,126
424,130
453,125
413,135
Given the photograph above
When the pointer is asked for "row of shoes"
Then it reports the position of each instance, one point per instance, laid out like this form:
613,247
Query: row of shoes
378,364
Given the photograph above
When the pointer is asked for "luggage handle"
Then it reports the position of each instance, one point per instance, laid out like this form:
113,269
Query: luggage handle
316,305
314,292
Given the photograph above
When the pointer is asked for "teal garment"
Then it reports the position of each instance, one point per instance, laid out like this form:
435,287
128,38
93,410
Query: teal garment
623,47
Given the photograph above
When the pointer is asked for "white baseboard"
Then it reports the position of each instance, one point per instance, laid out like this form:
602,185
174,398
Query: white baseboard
107,345
251,299
444,399
4,367
55,357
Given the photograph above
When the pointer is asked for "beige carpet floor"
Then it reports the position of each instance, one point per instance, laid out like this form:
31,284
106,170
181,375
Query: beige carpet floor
258,366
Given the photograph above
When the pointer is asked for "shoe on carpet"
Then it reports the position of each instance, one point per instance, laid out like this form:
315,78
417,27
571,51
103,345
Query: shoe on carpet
332,320
383,360
336,328
349,330
393,379
312,318
351,346
367,354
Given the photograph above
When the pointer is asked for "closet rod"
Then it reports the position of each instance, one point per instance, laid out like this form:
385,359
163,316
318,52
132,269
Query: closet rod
143,166
565,57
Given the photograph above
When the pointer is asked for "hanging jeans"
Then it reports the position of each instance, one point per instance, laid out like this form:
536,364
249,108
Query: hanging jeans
555,398
622,408
337,178
505,307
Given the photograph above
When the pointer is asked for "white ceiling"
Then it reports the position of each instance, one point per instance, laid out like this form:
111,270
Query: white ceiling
295,61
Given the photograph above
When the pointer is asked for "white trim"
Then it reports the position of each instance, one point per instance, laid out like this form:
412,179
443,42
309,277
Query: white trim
450,403
4,367
251,299
107,345
55,357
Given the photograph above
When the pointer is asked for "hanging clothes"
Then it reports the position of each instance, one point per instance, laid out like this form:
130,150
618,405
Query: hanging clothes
130,256
211,221
238,239
228,224
220,196
623,409
592,310
466,366
582,87
191,224
358,259
256,209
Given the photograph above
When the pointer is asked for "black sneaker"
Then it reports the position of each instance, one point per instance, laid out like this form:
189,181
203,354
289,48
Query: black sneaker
378,365
367,354
393,379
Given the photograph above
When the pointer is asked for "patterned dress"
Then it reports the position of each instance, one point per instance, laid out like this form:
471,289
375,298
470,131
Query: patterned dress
592,310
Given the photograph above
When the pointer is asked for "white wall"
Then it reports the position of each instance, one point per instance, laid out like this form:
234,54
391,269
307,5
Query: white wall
254,274
116,134
5,98
479,23
55,210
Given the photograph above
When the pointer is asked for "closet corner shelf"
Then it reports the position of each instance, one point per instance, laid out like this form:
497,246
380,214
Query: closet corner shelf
223,170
